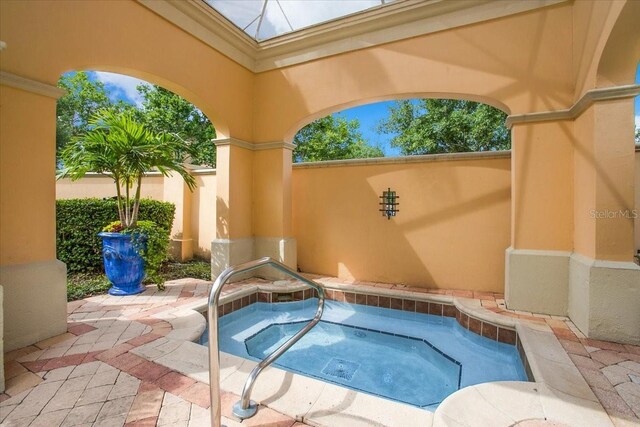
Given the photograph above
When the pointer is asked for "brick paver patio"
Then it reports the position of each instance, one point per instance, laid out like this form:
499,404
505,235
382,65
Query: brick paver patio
89,376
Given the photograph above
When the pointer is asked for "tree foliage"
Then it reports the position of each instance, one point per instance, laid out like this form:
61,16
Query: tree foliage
429,126
119,145
164,111
332,138
74,110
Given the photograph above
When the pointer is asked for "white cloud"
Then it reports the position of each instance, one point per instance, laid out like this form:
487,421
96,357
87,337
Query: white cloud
120,86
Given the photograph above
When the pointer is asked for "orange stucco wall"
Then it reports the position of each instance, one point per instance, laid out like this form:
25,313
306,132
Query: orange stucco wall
451,231
542,186
272,193
103,186
203,215
27,226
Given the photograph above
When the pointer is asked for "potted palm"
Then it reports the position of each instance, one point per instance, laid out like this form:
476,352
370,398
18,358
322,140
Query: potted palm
120,146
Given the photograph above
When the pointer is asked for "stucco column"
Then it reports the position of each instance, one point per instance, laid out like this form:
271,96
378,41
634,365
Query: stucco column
536,276
272,212
574,201
253,206
33,280
178,193
234,237
604,282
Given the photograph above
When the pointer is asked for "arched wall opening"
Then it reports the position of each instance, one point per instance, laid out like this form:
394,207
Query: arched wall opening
111,74
293,130
161,111
403,127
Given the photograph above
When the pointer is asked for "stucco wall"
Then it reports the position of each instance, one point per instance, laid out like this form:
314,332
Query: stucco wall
27,224
451,231
203,214
95,185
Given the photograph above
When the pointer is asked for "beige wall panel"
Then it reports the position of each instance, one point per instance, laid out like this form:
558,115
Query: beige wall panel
451,231
204,215
103,186
542,186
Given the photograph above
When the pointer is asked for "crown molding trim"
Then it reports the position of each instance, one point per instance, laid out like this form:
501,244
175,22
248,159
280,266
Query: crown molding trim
253,147
33,86
586,100
395,21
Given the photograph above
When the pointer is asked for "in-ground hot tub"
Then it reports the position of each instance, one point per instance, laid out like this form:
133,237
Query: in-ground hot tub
414,358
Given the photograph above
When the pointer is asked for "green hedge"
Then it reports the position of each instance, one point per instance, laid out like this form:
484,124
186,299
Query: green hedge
79,221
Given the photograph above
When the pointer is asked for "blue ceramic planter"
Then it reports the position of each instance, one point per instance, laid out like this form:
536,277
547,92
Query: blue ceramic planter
123,265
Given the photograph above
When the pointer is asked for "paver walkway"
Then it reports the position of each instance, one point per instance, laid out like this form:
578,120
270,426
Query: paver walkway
88,376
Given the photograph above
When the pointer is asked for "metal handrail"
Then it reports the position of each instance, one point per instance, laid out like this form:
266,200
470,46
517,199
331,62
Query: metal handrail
246,408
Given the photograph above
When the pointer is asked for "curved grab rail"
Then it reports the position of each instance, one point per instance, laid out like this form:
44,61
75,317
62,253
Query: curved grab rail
246,408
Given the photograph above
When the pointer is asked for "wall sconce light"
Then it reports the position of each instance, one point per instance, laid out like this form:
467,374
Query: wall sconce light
389,203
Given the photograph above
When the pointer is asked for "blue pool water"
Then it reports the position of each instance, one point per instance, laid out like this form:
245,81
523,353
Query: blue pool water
413,358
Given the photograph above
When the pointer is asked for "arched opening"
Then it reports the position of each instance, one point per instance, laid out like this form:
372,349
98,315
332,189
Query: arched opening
290,134
403,127
160,109
85,206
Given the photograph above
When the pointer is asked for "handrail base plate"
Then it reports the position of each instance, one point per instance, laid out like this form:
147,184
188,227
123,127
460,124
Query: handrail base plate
242,413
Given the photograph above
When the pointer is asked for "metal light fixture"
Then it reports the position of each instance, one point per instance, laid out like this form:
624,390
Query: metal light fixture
389,203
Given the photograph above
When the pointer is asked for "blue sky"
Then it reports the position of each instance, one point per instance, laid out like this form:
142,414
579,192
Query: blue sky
121,87
369,116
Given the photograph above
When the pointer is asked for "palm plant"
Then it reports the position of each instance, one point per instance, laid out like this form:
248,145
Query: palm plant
120,146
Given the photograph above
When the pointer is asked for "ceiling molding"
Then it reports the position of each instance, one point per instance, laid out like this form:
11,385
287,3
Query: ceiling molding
33,86
394,21
586,100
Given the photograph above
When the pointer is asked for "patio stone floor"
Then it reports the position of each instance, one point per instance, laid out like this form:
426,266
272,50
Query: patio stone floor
89,376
